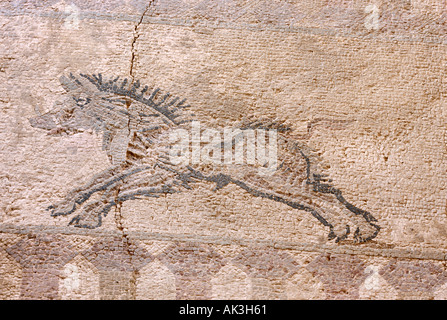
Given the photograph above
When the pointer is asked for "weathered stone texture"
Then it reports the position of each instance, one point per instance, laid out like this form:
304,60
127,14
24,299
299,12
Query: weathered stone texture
360,86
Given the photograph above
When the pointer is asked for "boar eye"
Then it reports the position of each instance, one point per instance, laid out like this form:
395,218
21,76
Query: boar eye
81,102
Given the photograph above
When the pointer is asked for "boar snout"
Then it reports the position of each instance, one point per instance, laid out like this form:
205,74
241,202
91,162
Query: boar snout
45,121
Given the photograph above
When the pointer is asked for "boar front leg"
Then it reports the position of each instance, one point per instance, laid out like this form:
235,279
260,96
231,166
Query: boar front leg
138,185
101,182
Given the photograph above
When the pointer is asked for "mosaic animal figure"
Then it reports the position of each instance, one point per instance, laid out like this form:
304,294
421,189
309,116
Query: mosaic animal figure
136,123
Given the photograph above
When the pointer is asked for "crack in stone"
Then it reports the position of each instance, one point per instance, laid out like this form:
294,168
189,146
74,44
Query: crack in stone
127,244
118,214
134,40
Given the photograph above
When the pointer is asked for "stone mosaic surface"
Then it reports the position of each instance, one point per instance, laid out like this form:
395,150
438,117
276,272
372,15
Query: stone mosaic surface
91,208
46,267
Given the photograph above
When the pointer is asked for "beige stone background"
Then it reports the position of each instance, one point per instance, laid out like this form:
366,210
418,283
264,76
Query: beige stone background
296,60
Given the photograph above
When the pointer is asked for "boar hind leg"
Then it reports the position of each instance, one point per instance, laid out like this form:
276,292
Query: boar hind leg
367,227
338,230
364,227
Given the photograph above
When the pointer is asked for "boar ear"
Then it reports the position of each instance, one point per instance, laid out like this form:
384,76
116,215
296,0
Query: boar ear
69,84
